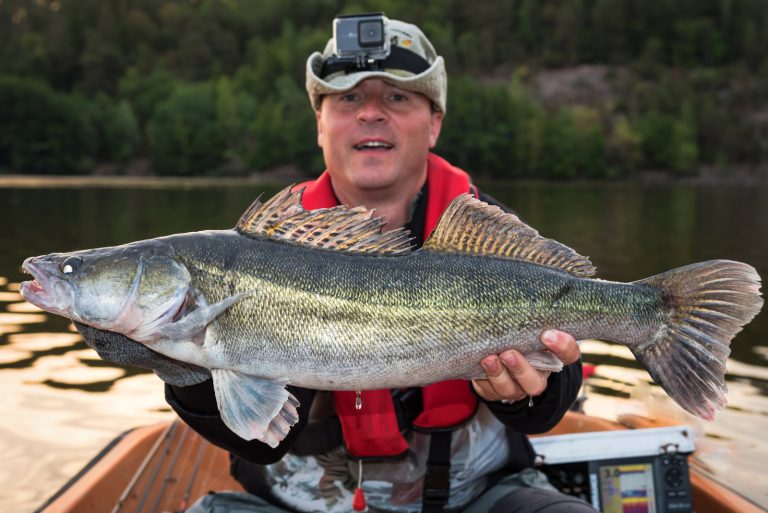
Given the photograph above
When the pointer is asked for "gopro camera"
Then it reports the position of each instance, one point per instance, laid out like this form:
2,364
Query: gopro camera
360,40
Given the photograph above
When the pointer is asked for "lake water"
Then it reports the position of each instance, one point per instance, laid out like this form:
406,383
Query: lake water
61,403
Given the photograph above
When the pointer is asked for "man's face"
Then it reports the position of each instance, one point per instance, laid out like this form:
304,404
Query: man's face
377,137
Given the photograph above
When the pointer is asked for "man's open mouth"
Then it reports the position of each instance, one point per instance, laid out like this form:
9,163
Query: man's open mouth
374,145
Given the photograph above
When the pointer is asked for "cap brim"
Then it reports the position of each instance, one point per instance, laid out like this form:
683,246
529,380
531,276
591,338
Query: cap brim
429,82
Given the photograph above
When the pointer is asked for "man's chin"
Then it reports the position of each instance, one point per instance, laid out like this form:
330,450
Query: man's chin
376,183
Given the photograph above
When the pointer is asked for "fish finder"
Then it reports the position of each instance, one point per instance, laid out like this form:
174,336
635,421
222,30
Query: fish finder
625,471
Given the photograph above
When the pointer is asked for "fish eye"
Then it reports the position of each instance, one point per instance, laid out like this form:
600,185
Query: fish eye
71,265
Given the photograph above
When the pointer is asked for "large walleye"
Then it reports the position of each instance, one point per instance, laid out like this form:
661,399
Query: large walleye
322,299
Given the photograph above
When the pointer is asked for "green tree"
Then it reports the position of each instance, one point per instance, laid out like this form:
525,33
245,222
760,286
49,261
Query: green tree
566,45
656,131
194,59
753,45
610,24
685,141
624,148
481,132
651,61
102,59
145,92
182,137
283,131
116,128
559,156
590,147
42,131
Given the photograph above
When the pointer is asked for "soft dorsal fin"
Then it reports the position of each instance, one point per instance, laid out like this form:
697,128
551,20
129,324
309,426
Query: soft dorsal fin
472,226
351,230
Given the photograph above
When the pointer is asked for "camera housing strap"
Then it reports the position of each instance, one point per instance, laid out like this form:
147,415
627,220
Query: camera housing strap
398,58
437,480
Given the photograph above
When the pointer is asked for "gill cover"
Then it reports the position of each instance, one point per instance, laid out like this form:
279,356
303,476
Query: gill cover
127,289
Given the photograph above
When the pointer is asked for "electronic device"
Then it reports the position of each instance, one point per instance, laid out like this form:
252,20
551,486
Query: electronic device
624,471
360,40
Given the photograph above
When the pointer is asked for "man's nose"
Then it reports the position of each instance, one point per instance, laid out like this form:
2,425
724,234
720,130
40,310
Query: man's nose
372,110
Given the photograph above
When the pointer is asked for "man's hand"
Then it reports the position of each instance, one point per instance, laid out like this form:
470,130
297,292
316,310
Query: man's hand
512,378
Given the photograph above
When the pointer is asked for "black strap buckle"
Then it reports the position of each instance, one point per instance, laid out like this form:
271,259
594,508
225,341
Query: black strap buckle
437,483
437,480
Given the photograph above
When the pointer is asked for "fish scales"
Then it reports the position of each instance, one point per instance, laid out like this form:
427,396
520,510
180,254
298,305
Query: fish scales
324,300
338,321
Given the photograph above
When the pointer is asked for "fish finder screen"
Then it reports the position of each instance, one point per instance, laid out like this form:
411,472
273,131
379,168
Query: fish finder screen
627,488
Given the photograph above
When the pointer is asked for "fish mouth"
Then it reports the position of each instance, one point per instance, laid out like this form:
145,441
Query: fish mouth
35,290
41,291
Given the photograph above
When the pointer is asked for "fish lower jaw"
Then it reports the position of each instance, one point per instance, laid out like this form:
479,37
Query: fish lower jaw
38,295
33,292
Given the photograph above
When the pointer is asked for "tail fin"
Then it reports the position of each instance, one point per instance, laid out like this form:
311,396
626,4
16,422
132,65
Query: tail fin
706,305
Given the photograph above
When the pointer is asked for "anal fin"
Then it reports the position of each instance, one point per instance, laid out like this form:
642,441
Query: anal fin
255,408
545,360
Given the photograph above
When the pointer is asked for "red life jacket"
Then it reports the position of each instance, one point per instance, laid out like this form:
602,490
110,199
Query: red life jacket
372,431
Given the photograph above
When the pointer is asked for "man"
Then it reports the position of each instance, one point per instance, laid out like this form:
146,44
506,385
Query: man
443,447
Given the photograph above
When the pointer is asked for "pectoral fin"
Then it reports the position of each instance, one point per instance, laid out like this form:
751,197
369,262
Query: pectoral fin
193,323
255,408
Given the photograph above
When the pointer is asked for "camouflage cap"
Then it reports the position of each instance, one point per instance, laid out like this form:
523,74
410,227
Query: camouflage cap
432,82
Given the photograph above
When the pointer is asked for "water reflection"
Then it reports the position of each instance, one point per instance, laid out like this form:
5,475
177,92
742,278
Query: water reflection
65,403
22,308
54,422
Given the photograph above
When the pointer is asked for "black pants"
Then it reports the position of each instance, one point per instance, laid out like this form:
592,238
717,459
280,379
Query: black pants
538,500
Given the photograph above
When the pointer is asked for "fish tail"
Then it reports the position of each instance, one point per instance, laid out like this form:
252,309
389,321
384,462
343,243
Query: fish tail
706,304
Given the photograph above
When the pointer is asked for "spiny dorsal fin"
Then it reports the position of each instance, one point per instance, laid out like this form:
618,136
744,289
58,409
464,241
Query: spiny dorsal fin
351,230
469,225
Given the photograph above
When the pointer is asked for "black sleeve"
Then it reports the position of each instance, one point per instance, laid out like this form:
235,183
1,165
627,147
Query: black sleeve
196,405
548,408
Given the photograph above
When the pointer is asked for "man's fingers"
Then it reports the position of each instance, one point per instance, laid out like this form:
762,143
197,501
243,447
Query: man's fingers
531,381
485,390
562,344
499,385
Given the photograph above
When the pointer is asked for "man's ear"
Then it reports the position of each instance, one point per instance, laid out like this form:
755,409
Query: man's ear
319,128
436,123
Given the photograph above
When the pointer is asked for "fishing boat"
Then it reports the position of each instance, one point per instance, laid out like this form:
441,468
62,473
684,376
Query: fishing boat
167,466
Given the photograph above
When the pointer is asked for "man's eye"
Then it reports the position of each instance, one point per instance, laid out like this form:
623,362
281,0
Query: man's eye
398,97
348,97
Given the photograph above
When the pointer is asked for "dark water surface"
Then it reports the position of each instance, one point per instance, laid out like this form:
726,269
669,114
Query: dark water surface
62,403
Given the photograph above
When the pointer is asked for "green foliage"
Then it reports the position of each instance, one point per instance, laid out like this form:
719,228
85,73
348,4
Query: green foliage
42,131
481,128
624,149
686,151
145,92
656,131
216,86
283,130
184,138
670,142
117,128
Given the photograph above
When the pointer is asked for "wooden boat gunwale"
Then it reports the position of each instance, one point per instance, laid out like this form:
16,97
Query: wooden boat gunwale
109,477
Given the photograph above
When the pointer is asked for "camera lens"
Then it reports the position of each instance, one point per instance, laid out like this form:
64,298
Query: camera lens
370,33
